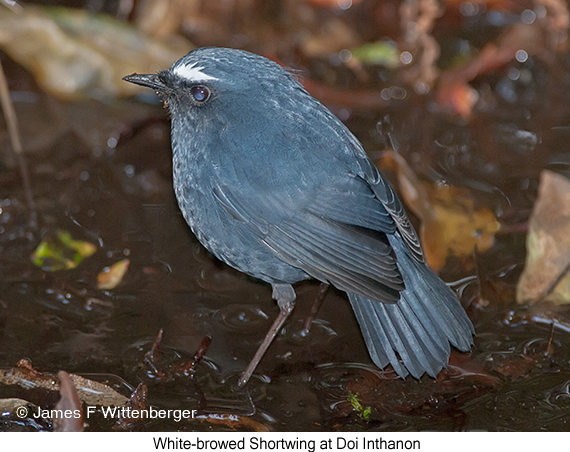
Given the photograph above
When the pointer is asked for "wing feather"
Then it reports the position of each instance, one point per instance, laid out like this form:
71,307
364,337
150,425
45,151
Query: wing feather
352,257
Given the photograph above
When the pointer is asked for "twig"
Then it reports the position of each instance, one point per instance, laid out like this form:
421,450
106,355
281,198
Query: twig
13,131
150,356
190,369
550,347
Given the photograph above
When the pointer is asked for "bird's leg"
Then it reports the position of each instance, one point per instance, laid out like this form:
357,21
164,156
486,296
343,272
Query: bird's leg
285,296
314,308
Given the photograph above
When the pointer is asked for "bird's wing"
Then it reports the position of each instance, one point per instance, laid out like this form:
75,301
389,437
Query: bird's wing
337,235
386,195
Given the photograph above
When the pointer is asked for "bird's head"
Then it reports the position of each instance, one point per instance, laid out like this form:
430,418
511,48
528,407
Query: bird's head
219,83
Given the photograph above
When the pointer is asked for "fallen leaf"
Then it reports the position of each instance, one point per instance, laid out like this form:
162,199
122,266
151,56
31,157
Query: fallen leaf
111,277
61,253
69,402
384,53
458,97
450,223
546,273
17,408
90,392
76,54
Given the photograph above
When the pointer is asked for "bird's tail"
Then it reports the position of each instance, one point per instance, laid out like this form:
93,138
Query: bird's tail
415,333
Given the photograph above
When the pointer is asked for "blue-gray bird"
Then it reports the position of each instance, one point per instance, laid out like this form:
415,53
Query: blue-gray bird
274,185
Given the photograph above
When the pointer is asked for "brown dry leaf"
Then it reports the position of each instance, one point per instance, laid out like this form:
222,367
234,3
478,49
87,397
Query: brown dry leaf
545,275
12,404
94,393
458,97
90,392
15,410
111,277
69,401
450,224
75,54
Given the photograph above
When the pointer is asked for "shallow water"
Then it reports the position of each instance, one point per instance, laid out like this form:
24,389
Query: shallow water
117,194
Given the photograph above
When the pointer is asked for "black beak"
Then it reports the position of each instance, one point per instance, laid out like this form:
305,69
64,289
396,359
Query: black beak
148,80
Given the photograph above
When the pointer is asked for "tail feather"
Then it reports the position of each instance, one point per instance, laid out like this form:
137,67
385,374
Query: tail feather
415,333
442,305
374,332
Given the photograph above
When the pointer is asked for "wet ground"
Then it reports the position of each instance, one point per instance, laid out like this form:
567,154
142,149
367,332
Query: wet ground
102,172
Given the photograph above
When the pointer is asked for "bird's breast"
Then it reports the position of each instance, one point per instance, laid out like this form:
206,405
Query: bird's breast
234,242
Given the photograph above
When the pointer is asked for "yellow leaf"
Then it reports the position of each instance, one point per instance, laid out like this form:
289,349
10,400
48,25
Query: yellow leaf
450,223
545,275
111,277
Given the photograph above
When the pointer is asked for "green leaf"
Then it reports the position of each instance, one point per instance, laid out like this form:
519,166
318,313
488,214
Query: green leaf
61,252
384,53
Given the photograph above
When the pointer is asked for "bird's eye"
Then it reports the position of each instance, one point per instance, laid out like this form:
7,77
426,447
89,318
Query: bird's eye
200,93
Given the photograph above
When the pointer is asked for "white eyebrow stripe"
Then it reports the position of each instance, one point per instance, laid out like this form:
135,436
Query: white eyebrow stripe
193,73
